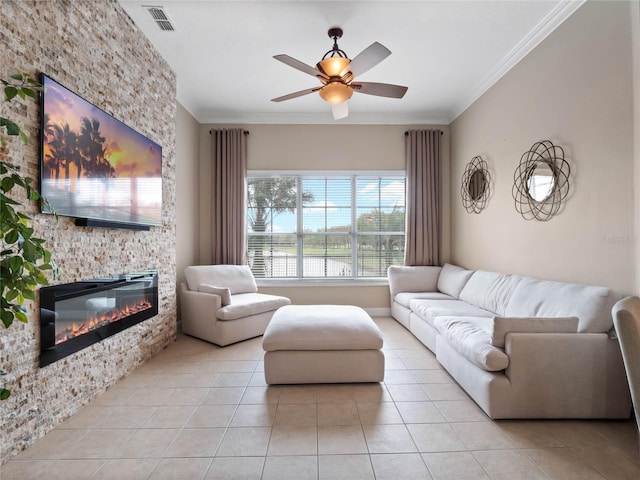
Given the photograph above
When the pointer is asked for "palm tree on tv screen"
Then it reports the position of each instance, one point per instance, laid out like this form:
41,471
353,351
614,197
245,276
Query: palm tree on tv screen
92,146
64,147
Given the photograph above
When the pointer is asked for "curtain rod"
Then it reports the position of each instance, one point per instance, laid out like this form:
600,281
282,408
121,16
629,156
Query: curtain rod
246,132
407,132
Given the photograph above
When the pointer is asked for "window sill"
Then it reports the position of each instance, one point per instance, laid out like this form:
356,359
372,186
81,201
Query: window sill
377,282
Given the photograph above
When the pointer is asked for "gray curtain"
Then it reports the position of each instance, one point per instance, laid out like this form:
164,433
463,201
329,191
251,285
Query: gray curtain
422,154
228,196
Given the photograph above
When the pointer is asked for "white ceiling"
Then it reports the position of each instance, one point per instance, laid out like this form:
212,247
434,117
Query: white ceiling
447,52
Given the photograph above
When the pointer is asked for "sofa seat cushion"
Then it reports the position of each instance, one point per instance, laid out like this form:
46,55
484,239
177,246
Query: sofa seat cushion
471,337
405,298
428,310
541,298
452,279
245,304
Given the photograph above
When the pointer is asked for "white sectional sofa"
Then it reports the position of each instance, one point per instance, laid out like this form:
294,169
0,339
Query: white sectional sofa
520,347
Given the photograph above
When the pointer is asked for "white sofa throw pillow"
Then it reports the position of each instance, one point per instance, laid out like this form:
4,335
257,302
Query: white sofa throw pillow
504,325
225,293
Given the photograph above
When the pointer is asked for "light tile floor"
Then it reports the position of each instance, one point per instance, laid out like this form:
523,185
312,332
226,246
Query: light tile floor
196,411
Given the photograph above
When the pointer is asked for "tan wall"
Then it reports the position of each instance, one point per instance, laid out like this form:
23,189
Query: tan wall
94,49
574,89
322,147
187,228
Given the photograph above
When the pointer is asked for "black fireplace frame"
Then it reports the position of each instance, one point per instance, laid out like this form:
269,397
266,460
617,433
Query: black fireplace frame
50,352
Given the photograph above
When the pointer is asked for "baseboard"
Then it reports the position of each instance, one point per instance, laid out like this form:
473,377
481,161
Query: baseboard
378,312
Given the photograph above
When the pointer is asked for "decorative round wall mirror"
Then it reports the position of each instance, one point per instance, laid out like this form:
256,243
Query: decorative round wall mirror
541,181
475,185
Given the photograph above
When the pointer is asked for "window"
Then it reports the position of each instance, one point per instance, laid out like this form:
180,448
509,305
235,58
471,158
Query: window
325,226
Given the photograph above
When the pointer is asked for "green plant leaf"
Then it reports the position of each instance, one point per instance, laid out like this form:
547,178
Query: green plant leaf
11,295
12,128
11,237
21,316
4,393
4,200
29,294
7,317
10,91
29,92
7,184
15,263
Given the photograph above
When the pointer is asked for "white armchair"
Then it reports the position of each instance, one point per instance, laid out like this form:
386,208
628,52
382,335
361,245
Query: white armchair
626,318
221,304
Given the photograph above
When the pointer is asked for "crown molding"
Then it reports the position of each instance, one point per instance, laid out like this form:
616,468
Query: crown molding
354,118
548,24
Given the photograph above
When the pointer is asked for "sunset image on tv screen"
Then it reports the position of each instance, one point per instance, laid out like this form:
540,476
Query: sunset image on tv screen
94,166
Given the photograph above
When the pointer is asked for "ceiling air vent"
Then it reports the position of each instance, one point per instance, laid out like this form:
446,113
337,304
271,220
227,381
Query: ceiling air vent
160,17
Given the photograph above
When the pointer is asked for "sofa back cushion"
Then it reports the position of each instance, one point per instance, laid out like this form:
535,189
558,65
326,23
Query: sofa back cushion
541,298
413,279
452,279
237,278
490,290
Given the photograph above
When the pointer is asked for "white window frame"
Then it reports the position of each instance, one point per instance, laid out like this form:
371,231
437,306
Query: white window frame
354,174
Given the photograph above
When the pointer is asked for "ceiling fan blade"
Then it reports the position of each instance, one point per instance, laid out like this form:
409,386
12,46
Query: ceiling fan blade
340,110
298,65
295,94
368,58
379,89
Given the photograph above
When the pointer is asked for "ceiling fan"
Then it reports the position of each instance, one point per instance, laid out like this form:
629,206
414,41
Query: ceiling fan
337,72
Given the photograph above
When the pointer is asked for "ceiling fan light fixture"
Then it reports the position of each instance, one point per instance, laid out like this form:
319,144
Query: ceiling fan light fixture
334,66
336,92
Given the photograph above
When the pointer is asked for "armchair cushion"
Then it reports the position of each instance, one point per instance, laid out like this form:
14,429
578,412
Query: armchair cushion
237,278
246,304
223,292
504,325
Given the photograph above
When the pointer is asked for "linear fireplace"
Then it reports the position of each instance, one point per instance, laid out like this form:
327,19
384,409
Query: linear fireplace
76,315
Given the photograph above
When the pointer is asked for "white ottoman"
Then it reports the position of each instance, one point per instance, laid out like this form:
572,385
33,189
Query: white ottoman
322,344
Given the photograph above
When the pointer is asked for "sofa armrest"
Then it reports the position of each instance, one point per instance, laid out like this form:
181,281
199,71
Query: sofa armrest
504,325
198,305
412,279
570,374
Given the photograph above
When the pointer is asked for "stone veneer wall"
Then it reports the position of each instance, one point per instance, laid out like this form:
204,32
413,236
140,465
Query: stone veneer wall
95,50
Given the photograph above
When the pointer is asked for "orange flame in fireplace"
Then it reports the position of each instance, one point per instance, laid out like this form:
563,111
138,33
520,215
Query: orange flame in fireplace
100,320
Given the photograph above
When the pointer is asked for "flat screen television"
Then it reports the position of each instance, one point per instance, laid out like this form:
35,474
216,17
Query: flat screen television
95,168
